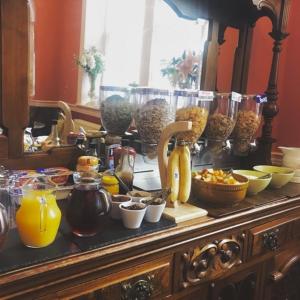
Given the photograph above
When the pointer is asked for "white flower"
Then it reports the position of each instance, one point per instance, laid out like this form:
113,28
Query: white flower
83,59
91,63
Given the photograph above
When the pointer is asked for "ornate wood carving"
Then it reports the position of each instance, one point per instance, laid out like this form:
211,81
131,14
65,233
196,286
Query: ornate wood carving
198,264
278,12
242,59
210,58
210,261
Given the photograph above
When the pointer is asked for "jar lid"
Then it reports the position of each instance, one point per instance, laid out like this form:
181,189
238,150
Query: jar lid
180,93
109,180
111,88
149,91
88,161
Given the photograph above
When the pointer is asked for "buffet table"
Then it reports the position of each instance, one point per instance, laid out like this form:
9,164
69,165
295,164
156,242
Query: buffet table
245,254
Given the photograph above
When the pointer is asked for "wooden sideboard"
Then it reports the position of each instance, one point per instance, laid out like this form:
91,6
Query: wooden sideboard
248,255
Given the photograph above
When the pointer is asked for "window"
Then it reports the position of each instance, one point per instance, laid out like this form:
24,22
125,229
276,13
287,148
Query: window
136,37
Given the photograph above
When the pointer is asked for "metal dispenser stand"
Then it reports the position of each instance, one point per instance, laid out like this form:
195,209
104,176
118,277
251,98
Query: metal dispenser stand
176,211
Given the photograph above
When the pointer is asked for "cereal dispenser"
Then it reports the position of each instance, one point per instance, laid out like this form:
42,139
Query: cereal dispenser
115,109
221,121
154,111
248,122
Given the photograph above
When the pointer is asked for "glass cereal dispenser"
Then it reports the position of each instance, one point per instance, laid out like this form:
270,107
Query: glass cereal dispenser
154,110
248,122
115,109
193,106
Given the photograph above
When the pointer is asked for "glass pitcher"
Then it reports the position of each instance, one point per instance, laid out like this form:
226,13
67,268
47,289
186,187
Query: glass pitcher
39,217
87,203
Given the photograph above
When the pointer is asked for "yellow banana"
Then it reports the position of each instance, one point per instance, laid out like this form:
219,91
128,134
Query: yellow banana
173,175
185,175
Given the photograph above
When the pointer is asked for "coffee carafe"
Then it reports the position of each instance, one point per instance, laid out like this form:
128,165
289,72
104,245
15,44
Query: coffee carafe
87,204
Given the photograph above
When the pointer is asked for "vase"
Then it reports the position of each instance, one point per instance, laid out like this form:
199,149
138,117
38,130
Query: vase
91,93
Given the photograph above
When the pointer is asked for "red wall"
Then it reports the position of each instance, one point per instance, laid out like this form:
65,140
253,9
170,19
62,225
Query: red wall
57,42
288,120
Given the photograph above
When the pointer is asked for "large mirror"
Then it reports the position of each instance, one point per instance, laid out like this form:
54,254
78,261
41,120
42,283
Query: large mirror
82,44
78,45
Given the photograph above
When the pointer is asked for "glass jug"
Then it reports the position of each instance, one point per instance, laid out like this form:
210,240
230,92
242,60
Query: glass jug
87,203
39,217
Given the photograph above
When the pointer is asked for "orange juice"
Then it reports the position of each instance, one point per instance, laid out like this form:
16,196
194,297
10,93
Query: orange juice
38,218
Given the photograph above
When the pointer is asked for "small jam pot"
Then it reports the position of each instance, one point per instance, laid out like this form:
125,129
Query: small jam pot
111,184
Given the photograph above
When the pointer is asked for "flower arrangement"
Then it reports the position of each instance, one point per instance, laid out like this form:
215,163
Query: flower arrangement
92,62
182,71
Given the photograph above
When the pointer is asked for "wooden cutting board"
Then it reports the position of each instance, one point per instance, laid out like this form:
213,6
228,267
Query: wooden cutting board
184,212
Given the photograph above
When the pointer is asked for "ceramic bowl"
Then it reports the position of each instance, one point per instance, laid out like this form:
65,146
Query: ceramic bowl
218,194
154,211
116,200
291,157
280,175
132,219
258,181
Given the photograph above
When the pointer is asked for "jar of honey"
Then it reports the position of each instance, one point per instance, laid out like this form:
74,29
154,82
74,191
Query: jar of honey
111,184
87,164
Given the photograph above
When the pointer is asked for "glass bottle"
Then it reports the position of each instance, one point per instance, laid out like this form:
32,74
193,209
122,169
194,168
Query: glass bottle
125,167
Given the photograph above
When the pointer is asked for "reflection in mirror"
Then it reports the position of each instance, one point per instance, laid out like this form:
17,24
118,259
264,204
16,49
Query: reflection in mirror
144,42
139,42
138,39
226,60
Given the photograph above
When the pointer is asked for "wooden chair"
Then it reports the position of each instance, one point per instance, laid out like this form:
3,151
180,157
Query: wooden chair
64,107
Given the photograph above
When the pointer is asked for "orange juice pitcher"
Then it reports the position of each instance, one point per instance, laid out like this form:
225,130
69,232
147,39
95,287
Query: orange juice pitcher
39,217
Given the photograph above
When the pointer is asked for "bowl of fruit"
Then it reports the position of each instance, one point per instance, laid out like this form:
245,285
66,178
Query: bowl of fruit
219,188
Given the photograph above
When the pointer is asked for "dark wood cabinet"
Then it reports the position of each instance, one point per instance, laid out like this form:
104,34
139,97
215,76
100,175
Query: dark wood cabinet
240,286
183,262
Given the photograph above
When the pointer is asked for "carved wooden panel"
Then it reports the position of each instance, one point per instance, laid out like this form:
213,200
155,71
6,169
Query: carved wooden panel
269,237
210,260
152,280
242,287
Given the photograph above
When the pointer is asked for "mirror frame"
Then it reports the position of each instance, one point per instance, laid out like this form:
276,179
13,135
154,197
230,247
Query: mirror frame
240,14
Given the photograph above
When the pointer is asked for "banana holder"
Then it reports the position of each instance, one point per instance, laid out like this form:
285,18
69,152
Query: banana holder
175,210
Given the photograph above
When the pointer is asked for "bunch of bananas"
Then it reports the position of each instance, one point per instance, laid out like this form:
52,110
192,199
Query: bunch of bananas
179,173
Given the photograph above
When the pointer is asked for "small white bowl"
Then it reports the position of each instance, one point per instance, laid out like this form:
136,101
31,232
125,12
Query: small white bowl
138,195
115,212
132,219
154,212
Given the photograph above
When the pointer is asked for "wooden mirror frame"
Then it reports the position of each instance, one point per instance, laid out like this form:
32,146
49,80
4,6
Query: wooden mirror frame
14,99
240,14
